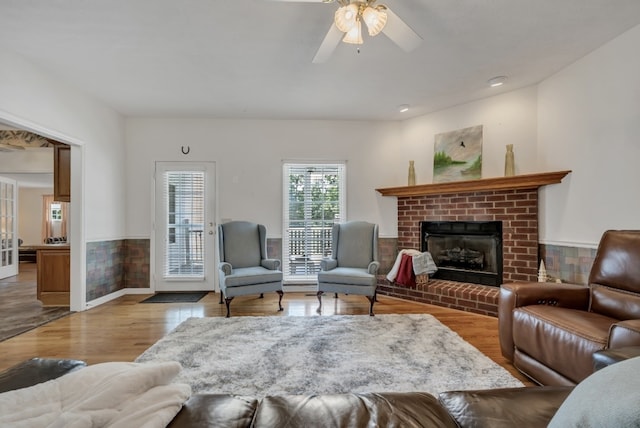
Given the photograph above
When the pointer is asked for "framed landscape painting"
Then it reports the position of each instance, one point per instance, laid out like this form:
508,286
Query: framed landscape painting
458,155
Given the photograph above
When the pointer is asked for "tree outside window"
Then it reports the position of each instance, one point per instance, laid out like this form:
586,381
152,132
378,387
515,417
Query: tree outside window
315,199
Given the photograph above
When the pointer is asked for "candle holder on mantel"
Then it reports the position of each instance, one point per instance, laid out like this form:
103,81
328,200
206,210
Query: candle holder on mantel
411,180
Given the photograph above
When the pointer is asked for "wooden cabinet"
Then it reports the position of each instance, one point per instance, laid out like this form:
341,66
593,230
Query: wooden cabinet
62,173
54,279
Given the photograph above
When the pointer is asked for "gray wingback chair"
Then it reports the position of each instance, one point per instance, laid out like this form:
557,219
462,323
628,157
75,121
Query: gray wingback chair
353,264
244,266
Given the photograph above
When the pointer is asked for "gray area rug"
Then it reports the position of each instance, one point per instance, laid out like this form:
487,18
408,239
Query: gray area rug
277,355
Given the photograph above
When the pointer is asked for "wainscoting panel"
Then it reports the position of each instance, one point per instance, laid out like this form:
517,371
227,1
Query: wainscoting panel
118,264
115,265
105,268
569,264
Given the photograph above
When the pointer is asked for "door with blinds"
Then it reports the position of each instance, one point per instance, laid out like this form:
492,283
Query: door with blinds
8,228
184,226
315,195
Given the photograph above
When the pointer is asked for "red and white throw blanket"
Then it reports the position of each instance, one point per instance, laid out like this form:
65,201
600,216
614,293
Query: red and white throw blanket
408,264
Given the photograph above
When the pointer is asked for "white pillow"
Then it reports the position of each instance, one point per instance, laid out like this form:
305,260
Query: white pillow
608,398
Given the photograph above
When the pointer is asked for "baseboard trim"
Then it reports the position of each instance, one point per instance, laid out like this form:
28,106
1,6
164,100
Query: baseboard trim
104,299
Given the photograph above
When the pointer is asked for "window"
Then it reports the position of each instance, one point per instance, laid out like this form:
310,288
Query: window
184,194
56,211
54,218
314,199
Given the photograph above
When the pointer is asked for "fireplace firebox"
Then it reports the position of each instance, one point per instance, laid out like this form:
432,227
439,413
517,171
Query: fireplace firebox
465,251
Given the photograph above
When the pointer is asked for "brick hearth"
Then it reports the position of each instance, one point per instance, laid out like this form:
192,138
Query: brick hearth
518,211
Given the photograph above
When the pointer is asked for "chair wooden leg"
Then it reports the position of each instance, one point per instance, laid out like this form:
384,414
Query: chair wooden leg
335,296
221,301
261,295
371,300
319,310
227,301
280,293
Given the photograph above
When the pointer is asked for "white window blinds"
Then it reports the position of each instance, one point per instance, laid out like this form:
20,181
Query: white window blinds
184,203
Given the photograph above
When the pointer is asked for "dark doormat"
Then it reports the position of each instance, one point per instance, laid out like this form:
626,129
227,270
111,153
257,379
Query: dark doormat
175,297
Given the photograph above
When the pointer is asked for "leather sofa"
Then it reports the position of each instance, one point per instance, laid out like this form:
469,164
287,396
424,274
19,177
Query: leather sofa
530,407
551,331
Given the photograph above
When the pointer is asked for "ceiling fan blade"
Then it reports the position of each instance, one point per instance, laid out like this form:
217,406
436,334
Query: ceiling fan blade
328,45
400,33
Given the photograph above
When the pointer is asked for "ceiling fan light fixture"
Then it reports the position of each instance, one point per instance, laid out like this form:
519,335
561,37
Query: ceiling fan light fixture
346,16
375,18
347,26
354,35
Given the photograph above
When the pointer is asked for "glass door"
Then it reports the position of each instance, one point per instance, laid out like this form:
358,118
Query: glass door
185,227
8,228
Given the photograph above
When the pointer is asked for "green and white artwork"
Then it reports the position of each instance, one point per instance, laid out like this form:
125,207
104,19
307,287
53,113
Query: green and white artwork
458,155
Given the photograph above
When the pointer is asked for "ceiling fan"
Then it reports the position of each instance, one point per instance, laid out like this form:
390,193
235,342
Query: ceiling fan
347,26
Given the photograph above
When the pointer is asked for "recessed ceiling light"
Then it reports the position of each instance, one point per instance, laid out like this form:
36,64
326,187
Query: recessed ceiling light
497,81
403,108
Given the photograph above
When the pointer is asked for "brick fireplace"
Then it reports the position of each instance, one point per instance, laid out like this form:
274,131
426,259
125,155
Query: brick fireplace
510,200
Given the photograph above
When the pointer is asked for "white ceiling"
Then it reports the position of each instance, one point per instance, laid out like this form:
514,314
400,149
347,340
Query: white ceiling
252,58
37,180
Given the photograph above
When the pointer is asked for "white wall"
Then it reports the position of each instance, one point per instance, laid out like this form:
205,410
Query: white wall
29,95
509,118
249,155
589,122
30,213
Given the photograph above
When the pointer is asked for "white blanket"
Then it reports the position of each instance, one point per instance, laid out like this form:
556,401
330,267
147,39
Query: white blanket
118,395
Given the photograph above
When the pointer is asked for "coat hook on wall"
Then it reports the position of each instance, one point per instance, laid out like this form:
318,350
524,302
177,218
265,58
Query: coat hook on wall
186,152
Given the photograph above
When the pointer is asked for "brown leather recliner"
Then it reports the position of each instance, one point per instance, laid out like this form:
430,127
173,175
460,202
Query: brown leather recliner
550,331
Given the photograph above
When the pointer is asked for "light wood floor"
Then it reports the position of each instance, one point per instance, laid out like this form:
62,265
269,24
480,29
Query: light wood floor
123,328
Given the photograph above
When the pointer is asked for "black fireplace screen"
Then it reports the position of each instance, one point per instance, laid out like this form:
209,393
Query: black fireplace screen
465,251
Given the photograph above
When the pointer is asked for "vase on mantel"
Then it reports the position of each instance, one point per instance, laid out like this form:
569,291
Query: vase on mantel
411,180
509,162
